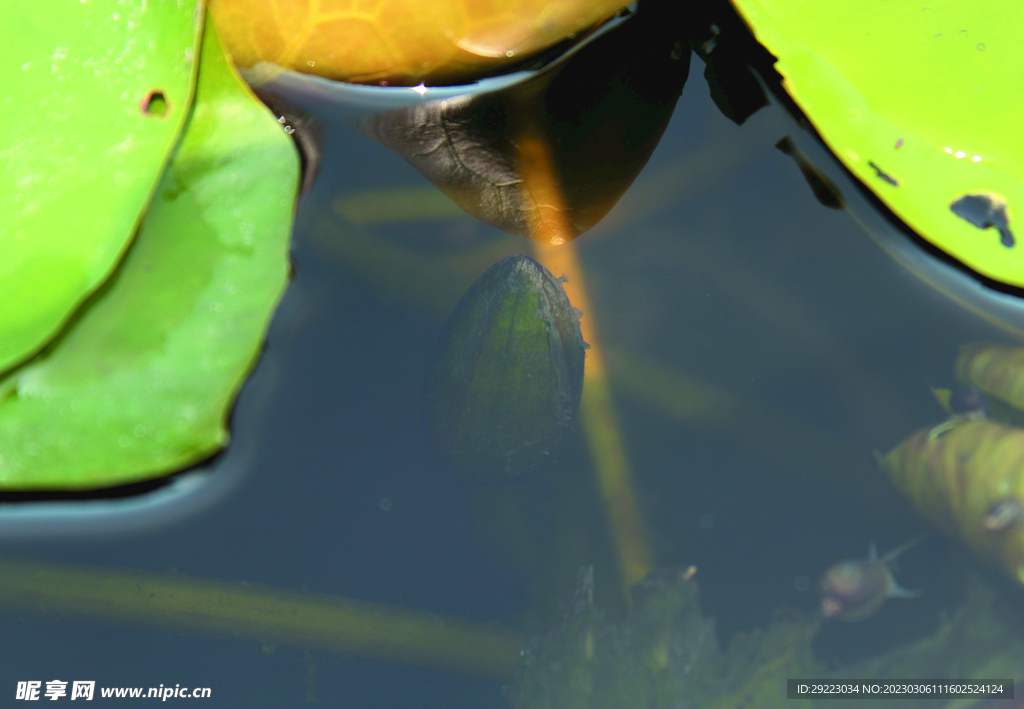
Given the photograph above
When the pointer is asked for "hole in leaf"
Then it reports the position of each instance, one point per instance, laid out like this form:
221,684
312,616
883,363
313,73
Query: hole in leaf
155,104
985,210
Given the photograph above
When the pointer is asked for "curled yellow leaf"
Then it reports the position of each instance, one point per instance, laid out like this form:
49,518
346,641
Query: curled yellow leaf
994,369
967,477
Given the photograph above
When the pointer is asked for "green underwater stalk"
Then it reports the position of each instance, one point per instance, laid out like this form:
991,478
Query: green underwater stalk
262,614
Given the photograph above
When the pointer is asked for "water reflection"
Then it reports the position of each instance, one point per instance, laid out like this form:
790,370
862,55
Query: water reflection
602,112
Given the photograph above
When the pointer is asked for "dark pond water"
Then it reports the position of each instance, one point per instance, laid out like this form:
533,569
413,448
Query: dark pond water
717,266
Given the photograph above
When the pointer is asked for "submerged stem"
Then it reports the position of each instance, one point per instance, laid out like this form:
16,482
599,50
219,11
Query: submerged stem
263,614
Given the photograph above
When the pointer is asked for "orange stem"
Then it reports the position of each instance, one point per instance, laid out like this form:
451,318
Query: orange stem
554,248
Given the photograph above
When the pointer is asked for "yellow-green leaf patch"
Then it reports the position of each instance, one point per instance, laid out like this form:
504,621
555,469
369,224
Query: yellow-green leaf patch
141,381
94,96
922,103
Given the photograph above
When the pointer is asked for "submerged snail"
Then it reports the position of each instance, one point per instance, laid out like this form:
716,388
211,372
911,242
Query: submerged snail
1003,515
968,402
856,589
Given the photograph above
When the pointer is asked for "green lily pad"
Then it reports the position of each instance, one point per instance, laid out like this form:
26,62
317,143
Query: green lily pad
140,383
921,102
95,95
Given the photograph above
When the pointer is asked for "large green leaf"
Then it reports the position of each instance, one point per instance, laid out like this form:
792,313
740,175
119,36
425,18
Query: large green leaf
141,382
81,155
921,101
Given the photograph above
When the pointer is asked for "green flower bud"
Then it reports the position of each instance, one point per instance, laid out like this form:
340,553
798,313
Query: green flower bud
510,376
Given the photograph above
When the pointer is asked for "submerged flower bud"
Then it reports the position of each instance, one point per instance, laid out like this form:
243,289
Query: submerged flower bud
510,375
